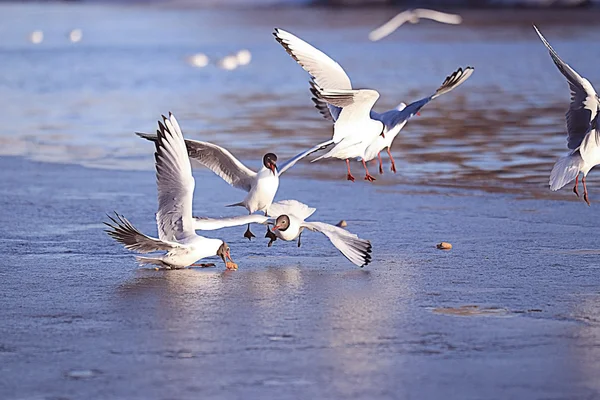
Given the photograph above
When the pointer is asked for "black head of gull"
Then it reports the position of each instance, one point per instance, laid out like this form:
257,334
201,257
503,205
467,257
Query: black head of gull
270,161
224,253
282,223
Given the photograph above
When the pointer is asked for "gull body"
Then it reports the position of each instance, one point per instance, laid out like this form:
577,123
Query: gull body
412,16
176,234
288,218
332,91
583,138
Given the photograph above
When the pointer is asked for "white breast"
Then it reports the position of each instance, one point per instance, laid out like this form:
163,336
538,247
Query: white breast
263,192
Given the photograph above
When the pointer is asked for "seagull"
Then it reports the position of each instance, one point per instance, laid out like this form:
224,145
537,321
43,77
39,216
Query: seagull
582,129
288,218
412,16
332,91
261,186
176,234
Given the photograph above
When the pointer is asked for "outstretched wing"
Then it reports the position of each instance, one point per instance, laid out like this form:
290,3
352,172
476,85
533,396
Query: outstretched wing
324,71
218,160
584,100
291,207
211,224
290,163
174,182
124,232
357,250
393,117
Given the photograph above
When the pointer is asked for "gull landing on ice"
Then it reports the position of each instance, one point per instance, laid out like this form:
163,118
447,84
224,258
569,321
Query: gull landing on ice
175,186
583,137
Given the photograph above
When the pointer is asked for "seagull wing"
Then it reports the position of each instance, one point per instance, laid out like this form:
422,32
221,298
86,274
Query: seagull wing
290,163
174,181
438,16
124,232
211,224
356,107
394,117
357,250
390,26
328,111
325,71
584,100
218,160
291,207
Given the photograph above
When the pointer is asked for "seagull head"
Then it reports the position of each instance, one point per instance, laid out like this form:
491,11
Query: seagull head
270,162
223,252
282,223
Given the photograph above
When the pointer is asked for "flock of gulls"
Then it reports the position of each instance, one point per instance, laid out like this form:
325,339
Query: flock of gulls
359,133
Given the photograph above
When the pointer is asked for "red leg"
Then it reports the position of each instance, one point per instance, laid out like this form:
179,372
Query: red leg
392,160
368,176
585,194
575,187
349,177
380,164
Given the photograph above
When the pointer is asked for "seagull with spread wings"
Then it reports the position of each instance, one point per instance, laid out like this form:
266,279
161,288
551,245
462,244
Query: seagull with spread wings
412,16
261,185
583,136
351,109
288,218
176,234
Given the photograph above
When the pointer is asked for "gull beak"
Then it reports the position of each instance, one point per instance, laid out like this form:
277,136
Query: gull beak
272,167
275,227
228,257
382,135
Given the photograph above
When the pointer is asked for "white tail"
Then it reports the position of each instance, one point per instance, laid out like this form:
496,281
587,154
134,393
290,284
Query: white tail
565,170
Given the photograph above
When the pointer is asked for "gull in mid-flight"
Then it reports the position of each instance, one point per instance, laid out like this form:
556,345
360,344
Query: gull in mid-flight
412,16
261,185
582,129
176,234
333,93
288,218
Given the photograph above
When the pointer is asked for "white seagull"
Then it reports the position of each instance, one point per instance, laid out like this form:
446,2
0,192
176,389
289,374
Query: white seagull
332,90
582,129
288,218
261,186
176,234
412,16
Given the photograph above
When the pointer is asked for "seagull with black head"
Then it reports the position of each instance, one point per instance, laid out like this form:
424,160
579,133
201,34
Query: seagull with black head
261,185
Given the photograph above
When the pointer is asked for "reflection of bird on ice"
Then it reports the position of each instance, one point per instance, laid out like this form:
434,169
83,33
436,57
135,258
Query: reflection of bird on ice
412,16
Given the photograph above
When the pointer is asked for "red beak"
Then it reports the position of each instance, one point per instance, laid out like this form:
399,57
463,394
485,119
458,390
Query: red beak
275,227
228,256
272,167
382,135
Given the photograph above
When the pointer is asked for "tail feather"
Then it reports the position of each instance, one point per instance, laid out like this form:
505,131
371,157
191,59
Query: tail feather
453,81
565,170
